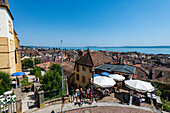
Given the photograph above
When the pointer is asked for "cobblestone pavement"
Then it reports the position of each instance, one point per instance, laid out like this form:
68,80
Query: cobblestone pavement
71,106
118,98
27,97
107,109
28,101
114,99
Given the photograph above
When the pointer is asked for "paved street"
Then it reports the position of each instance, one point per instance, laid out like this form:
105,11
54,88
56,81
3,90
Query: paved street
28,101
71,106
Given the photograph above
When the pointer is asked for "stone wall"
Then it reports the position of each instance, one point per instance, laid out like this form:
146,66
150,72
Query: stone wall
41,103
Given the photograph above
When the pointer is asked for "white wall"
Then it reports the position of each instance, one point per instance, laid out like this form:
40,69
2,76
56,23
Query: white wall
4,26
4,32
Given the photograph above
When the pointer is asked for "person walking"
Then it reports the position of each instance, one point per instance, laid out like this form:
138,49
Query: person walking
81,93
91,96
88,90
77,94
83,96
17,81
72,94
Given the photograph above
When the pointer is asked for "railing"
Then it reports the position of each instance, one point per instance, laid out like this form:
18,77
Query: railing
55,93
7,106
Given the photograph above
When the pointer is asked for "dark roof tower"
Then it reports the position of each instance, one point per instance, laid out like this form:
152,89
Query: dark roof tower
4,3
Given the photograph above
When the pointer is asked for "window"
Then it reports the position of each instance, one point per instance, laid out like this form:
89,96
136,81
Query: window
83,79
10,26
77,77
90,70
77,68
16,56
83,68
89,80
162,74
153,71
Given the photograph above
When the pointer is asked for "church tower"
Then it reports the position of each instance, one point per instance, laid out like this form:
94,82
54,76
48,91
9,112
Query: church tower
4,2
7,39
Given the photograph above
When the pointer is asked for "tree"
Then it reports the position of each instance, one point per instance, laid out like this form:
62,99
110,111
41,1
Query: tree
37,61
28,63
57,68
37,72
51,80
5,82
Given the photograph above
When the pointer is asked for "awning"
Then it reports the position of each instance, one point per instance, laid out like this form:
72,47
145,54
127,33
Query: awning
95,75
105,74
18,74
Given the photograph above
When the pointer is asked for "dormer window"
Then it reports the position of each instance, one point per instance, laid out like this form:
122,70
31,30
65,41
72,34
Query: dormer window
109,68
162,74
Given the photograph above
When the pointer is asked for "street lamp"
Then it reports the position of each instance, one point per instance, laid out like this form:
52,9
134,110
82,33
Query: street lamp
93,70
62,77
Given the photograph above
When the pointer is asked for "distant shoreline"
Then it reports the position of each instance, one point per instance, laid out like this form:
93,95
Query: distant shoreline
104,47
141,49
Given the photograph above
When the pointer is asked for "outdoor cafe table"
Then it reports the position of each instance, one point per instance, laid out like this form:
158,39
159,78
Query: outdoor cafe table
152,97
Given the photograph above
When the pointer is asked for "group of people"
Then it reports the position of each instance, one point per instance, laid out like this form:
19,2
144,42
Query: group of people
80,94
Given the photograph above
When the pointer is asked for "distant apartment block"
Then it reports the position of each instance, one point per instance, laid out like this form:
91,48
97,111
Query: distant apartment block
10,59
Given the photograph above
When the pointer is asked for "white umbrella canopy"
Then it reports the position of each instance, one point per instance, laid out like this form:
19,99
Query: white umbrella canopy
140,86
103,81
117,77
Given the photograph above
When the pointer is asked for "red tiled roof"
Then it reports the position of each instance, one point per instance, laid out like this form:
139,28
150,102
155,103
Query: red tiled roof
162,69
95,58
67,66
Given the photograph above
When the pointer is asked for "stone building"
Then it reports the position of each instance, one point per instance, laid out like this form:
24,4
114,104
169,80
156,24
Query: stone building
83,67
161,74
10,60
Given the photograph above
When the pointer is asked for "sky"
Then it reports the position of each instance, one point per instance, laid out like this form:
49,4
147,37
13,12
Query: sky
82,23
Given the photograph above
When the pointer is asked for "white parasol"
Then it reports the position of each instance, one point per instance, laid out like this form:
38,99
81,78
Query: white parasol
140,86
103,81
117,77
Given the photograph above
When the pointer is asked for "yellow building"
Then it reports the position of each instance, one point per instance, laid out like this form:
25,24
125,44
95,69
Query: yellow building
17,53
10,60
83,67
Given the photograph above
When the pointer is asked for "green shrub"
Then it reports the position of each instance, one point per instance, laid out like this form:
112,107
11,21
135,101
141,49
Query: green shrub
5,82
37,61
35,70
25,82
57,68
28,63
165,107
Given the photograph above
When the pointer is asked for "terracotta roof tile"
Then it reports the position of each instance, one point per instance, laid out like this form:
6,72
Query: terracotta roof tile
67,66
95,58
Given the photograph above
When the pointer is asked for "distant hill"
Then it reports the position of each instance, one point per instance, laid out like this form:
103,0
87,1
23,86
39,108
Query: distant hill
129,47
145,46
